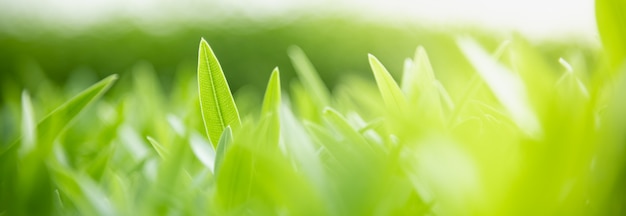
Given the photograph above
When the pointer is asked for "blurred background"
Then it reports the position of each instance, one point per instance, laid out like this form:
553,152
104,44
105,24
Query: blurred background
59,39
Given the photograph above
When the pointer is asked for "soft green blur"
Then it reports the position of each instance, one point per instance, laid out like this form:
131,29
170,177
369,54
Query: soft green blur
432,122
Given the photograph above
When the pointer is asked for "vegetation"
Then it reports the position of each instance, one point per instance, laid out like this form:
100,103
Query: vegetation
519,136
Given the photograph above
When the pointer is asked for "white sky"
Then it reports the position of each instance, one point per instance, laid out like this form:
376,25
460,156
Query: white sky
550,19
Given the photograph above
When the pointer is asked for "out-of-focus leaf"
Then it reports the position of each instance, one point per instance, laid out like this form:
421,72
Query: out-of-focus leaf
216,101
225,140
32,180
162,151
611,21
389,89
29,127
301,146
82,191
350,134
51,126
309,77
203,150
506,86
422,89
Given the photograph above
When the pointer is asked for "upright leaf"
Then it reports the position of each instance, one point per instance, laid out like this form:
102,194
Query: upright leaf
611,21
508,87
162,151
53,124
422,89
203,150
310,78
32,182
389,89
216,101
271,101
270,119
225,140
29,127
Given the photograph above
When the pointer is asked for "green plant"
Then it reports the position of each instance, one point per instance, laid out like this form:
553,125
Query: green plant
521,138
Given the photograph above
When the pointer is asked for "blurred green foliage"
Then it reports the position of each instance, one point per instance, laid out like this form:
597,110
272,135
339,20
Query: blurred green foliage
470,124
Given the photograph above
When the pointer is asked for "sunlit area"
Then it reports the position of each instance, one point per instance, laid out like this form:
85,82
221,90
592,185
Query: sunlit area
276,107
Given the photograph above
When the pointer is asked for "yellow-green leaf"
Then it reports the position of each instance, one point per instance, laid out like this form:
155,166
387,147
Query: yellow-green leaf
389,89
56,122
309,77
216,101
271,101
507,86
225,140
29,127
611,21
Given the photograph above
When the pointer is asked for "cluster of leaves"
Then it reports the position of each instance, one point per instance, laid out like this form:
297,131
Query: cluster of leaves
522,138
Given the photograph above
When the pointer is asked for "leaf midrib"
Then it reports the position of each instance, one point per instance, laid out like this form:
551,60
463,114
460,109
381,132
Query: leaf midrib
217,103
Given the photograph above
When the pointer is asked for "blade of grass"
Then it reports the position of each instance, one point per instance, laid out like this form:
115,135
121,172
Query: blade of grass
304,104
225,140
508,88
310,78
271,101
611,21
423,90
389,89
203,150
59,119
82,191
216,101
158,147
29,127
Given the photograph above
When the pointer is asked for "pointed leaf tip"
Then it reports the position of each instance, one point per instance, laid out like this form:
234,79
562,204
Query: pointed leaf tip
389,89
271,101
216,101
308,76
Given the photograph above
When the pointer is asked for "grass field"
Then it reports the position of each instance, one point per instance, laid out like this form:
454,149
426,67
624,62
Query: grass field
315,117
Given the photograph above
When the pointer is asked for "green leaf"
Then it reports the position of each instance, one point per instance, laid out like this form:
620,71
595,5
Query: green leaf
344,129
270,118
216,101
301,146
88,198
303,102
225,140
271,101
203,149
29,127
418,75
611,21
389,89
310,78
158,147
422,89
507,86
59,119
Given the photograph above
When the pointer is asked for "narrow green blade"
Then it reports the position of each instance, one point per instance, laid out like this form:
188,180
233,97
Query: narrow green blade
422,90
162,151
309,77
203,149
225,140
56,122
29,127
611,21
389,89
271,101
216,101
507,86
